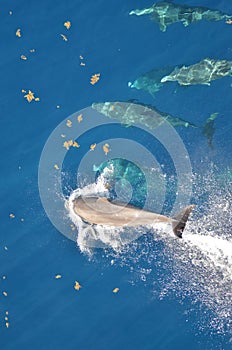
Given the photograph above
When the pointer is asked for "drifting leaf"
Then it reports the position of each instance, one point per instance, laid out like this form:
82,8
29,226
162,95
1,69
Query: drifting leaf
69,123
18,33
79,118
93,146
64,37
106,148
95,78
77,285
67,24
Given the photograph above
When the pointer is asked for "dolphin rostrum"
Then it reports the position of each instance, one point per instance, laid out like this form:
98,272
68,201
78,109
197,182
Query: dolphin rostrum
102,211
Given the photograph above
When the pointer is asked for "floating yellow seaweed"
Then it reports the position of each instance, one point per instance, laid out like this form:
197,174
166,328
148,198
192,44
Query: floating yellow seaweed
67,24
30,96
80,118
77,285
64,37
93,146
66,145
58,277
115,290
106,148
18,33
75,144
69,123
94,79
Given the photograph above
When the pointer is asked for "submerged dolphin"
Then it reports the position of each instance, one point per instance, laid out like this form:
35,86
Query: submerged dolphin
129,113
102,211
202,72
151,81
166,13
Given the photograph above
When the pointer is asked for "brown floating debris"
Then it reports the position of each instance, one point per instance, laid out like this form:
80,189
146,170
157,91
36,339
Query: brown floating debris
75,144
64,37
106,148
23,57
93,146
30,96
67,24
94,79
77,285
79,118
18,33
69,123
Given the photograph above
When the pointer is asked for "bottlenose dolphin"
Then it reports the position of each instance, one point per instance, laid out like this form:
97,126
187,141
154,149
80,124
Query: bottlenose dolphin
102,211
151,81
133,112
202,72
166,13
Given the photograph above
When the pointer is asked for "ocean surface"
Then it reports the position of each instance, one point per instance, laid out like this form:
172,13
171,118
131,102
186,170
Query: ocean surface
155,291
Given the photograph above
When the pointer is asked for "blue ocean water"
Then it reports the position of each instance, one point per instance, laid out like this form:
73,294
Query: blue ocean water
158,305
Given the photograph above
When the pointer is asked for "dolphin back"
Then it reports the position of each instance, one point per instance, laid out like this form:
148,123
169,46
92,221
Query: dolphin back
181,220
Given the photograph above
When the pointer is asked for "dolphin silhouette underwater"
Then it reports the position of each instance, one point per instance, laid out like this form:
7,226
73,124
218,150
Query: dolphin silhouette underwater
102,211
166,13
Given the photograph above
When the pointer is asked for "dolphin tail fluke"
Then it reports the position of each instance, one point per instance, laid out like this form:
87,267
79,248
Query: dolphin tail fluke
208,129
180,220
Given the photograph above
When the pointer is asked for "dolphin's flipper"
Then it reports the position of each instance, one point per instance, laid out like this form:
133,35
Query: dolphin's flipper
181,219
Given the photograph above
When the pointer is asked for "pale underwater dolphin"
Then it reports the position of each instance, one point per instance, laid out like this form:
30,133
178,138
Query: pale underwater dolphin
166,13
102,211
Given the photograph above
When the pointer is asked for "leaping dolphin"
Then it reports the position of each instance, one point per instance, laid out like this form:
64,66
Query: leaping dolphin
102,211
